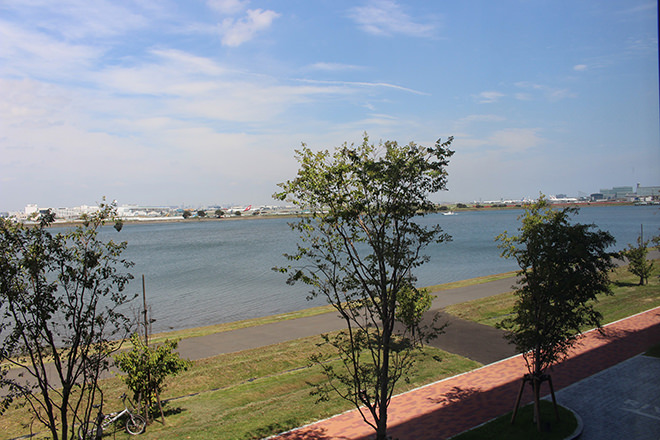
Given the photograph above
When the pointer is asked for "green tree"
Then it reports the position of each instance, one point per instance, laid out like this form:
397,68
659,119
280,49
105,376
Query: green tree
201,213
359,247
563,267
146,369
186,214
637,262
219,213
61,299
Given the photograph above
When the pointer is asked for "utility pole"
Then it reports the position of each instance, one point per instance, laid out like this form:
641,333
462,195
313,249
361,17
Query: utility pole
144,311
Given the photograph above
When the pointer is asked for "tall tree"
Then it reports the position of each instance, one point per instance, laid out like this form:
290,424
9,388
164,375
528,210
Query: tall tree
61,301
360,245
563,267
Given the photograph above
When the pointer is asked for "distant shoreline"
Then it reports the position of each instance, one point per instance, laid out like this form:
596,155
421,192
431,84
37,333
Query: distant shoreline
477,207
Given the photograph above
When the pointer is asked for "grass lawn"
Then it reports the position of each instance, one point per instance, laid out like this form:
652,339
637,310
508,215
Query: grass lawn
524,427
257,393
470,282
218,328
628,299
247,395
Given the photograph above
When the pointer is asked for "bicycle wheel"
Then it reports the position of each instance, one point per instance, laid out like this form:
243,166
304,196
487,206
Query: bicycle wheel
89,431
135,424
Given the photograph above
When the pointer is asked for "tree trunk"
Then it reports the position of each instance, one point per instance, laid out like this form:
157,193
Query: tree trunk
381,432
536,381
537,402
160,407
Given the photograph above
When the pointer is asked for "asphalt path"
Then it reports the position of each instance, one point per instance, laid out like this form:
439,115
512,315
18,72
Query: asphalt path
475,341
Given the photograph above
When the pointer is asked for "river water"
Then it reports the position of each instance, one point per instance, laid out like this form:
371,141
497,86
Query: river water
201,273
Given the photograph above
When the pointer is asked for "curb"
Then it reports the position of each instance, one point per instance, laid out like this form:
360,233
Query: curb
578,429
572,436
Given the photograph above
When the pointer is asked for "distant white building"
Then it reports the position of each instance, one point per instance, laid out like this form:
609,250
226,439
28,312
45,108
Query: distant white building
67,213
31,209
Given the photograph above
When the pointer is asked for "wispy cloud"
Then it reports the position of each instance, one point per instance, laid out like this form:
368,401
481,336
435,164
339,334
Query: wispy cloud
79,19
333,67
489,97
552,94
228,6
366,84
506,140
483,118
237,31
469,120
515,140
386,17
26,51
190,63
643,8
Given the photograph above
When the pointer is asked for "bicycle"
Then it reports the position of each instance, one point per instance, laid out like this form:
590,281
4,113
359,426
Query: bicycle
135,423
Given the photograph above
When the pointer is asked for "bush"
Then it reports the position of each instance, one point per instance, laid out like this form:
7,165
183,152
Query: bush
146,369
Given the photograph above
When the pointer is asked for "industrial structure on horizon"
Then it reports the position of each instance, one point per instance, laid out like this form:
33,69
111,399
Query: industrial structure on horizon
639,194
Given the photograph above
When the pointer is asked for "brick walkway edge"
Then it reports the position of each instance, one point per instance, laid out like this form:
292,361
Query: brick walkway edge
451,406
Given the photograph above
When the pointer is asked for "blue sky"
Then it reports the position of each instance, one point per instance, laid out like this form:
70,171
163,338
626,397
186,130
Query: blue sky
200,102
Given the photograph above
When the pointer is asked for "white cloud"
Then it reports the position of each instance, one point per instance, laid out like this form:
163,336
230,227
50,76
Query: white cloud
507,140
386,17
30,103
580,67
227,6
236,32
515,140
184,86
489,97
168,72
48,129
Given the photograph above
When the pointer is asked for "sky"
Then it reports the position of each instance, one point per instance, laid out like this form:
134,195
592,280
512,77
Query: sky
203,102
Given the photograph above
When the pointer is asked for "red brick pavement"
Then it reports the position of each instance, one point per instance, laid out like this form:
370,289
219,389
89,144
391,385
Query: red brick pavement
448,407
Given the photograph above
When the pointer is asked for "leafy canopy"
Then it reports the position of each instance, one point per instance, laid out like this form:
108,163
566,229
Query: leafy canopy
62,299
564,266
360,242
638,264
147,367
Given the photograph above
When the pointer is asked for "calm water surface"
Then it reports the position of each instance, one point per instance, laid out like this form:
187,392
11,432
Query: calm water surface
201,273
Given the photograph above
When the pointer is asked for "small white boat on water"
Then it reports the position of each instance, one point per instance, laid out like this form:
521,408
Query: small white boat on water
449,213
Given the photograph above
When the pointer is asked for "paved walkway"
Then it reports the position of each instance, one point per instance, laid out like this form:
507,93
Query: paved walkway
451,406
624,401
